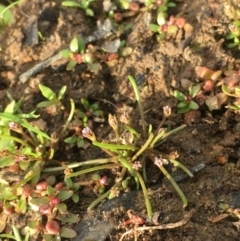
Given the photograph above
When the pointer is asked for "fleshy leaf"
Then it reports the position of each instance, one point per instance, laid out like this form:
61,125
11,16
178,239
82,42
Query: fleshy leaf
66,232
179,95
71,65
64,195
66,53
193,105
70,218
74,45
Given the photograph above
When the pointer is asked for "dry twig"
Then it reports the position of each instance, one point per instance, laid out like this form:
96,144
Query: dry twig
161,226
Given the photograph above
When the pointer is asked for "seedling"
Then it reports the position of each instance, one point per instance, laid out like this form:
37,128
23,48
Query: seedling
187,102
83,4
234,35
52,97
78,54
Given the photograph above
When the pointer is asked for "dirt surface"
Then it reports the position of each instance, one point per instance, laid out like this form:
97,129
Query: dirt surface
158,67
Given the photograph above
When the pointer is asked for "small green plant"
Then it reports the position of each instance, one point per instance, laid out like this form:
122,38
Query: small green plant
83,4
186,101
25,150
129,151
165,27
52,97
90,110
78,54
234,35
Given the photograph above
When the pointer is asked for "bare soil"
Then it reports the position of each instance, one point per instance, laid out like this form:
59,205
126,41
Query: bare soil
158,67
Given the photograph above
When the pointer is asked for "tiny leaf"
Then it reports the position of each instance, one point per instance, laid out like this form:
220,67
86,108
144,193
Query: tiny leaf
74,45
179,95
193,105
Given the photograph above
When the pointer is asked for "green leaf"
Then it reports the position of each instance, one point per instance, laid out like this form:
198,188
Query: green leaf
7,18
36,178
193,105
227,91
162,8
89,12
171,4
74,45
81,44
62,92
21,206
68,182
71,65
184,110
71,4
161,18
7,193
237,23
179,95
50,190
231,45
36,203
6,161
71,139
85,103
66,53
47,92
66,232
94,106
194,90
64,195
172,29
98,112
80,143
182,104
154,27
236,40
62,208
230,36
75,198
47,237
10,107
45,104
70,218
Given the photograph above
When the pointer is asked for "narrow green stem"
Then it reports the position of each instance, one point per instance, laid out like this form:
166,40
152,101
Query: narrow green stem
178,164
160,125
106,194
157,138
177,188
98,200
145,194
69,118
114,147
79,164
144,147
170,133
92,169
138,99
9,6
16,233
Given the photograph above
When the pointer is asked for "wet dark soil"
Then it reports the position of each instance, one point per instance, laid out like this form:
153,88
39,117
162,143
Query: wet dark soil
212,139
